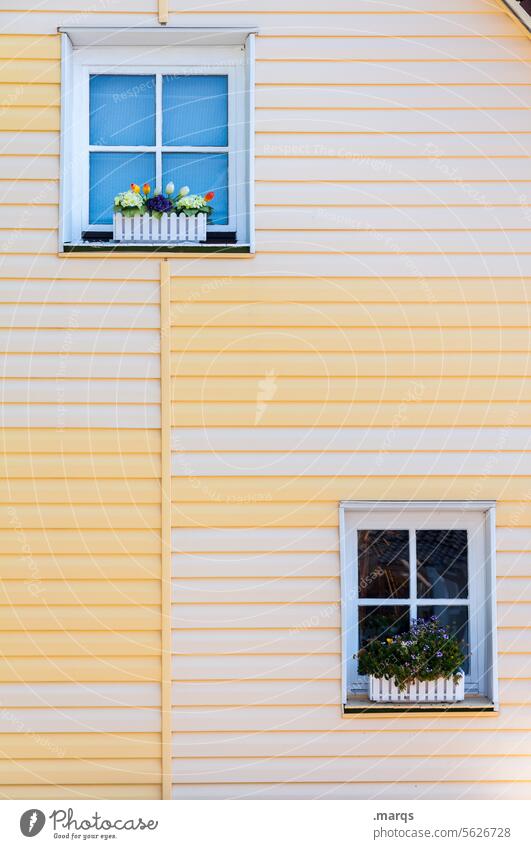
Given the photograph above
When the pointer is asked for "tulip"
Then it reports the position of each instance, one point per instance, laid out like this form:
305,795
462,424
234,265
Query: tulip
184,190
146,188
170,188
209,196
135,188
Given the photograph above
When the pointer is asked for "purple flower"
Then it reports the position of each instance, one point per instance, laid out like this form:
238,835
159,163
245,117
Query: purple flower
159,203
439,654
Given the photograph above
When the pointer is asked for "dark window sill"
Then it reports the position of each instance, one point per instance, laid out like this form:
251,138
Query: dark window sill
113,248
471,705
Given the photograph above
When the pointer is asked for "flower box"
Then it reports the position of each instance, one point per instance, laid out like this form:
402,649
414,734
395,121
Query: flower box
439,690
169,227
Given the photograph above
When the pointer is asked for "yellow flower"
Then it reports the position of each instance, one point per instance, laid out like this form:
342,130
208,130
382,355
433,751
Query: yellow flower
389,640
135,188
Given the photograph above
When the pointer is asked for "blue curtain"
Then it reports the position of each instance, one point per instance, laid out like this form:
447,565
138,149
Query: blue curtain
111,173
195,111
122,109
201,172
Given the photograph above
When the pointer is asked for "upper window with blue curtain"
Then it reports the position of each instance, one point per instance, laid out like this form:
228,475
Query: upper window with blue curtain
160,128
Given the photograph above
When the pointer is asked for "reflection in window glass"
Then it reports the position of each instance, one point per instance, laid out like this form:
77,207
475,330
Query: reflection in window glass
122,110
381,622
442,564
383,564
455,619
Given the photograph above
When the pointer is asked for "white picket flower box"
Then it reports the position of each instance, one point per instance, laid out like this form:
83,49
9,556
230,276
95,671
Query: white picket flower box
170,227
440,690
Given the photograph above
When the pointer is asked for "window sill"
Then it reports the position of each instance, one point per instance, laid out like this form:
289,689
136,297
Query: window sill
113,248
472,706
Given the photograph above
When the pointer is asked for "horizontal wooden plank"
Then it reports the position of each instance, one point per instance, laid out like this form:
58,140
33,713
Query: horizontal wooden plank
79,669
303,6
380,363
254,643
439,414
469,69
79,391
36,441
313,769
241,565
256,590
87,746
54,566
276,390
21,46
80,516
259,511
84,592
243,464
329,718
79,695
43,491
295,790
309,290
28,168
80,465
104,771
78,618
300,693
79,644
395,487
91,316
454,342
92,415
28,70
252,315
28,95
243,668
29,118
349,440
257,540
81,719
345,744
401,96
37,341
73,291
81,791
299,614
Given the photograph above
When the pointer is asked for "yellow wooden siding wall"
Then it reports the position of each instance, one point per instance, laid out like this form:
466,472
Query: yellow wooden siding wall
80,480
377,346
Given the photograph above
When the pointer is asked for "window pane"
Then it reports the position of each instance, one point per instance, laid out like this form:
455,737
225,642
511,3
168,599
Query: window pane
442,568
381,622
455,619
195,111
122,109
383,564
111,173
201,172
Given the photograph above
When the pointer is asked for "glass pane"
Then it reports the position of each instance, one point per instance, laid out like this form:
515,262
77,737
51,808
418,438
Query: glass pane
201,172
195,111
383,564
380,622
455,619
111,173
442,568
122,109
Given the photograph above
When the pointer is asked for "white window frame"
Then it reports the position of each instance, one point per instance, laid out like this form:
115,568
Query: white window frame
480,521
234,61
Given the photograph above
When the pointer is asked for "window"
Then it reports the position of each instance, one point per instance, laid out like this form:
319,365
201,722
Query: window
402,562
156,113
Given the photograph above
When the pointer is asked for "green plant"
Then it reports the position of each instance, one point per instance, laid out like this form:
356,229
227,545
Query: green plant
425,652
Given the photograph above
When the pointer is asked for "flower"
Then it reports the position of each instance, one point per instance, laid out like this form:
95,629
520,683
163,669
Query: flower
170,188
129,200
159,203
184,190
209,196
146,188
135,188
389,640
